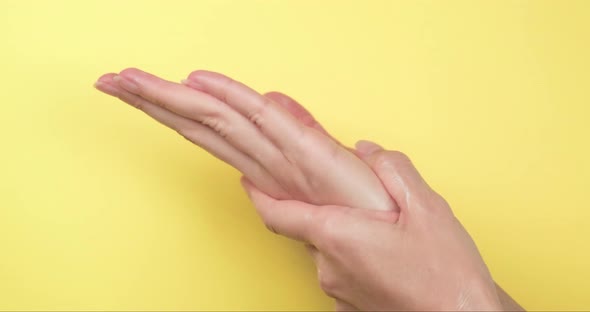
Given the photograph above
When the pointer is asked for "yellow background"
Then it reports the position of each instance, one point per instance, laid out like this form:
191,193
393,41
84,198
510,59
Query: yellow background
102,208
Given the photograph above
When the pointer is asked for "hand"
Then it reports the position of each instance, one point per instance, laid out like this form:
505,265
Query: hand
253,133
424,261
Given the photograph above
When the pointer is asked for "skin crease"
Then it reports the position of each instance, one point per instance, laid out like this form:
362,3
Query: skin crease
161,100
256,135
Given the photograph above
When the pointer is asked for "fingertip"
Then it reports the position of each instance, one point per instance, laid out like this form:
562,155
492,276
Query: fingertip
105,87
106,77
204,80
273,94
200,74
137,76
193,84
130,71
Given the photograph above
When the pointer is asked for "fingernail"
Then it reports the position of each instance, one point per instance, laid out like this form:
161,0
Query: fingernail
366,148
126,84
192,84
106,88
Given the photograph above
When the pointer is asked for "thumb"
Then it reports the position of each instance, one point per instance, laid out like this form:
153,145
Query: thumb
290,218
397,173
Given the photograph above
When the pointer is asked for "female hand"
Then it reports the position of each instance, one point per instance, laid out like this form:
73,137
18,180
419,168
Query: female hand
365,259
254,134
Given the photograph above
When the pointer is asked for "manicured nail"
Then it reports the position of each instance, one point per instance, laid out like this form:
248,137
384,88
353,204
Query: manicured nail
366,148
126,84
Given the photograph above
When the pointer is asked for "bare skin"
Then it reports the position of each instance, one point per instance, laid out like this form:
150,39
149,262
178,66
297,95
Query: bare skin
254,134
272,140
374,261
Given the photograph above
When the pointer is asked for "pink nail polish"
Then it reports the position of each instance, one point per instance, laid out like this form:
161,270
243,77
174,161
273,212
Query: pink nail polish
126,84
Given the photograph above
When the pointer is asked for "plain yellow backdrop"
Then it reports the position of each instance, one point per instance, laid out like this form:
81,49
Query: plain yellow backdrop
102,208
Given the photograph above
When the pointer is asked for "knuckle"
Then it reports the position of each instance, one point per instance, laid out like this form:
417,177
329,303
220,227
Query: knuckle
257,115
218,125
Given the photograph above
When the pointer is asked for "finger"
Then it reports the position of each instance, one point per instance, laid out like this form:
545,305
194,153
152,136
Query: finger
365,148
274,121
306,149
196,133
399,176
287,218
297,110
290,218
302,115
209,111
319,226
106,84
388,216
